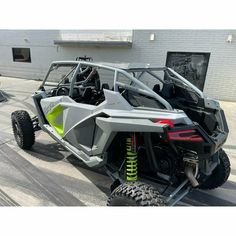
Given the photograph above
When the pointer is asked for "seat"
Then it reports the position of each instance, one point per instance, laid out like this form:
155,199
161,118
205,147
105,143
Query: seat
156,88
167,90
84,74
91,80
79,78
105,86
87,94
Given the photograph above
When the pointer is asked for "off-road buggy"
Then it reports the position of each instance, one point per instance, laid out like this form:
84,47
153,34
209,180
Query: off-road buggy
141,123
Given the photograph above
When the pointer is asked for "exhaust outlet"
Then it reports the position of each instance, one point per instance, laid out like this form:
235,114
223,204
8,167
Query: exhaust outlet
189,171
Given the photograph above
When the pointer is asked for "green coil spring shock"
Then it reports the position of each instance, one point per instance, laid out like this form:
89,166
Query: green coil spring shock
131,158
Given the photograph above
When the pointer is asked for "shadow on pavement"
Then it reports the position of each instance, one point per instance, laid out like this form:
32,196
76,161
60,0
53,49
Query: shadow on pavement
50,152
200,198
195,198
96,175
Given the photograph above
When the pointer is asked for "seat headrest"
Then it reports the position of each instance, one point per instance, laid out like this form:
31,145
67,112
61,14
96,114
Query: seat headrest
156,88
105,86
167,90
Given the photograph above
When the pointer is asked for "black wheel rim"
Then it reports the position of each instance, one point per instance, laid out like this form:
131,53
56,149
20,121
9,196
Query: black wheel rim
17,132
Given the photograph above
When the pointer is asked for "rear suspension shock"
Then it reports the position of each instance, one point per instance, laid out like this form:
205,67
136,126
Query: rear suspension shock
131,158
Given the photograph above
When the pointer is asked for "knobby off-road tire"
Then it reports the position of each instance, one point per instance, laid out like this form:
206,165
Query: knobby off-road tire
135,194
23,129
220,174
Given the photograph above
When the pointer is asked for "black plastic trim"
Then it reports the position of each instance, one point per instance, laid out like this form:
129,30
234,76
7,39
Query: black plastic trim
204,149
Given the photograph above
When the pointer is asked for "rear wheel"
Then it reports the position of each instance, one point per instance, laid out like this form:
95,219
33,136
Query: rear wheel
23,129
220,174
135,194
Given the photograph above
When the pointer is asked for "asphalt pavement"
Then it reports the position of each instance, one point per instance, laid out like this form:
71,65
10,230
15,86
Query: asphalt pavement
48,175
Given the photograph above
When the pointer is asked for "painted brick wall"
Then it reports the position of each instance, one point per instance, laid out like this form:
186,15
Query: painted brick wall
221,74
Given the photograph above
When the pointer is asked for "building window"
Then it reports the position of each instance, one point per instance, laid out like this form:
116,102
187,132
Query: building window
21,54
191,65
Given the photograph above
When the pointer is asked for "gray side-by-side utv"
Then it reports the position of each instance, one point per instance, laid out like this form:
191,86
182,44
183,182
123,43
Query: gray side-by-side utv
154,133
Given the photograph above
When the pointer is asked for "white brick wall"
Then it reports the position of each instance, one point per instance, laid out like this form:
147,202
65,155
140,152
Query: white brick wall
221,74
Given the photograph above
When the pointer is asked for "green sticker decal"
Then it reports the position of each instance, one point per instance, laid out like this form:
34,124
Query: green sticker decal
53,120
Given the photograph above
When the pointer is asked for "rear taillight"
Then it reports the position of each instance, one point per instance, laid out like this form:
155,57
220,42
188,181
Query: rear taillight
165,122
190,135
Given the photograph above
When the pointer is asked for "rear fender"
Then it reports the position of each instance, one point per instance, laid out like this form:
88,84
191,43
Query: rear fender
107,128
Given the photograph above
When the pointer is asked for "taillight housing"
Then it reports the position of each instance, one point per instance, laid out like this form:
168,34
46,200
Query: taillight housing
190,135
165,122
187,135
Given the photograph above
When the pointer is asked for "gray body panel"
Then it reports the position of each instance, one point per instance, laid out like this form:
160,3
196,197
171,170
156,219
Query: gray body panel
87,130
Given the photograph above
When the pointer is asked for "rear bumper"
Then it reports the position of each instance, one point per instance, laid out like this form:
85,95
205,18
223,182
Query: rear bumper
208,147
219,136
213,142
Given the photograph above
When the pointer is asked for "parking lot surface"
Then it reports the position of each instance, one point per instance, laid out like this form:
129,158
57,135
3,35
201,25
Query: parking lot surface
48,175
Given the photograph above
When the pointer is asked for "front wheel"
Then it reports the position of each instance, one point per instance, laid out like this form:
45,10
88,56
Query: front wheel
220,174
135,194
23,129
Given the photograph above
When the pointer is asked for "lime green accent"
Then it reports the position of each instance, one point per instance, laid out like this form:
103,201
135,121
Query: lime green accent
52,116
